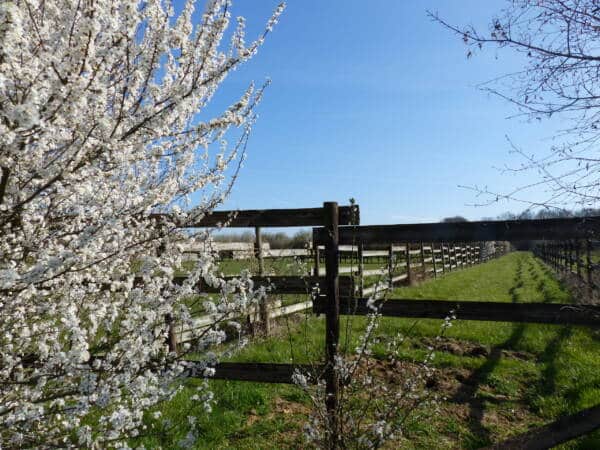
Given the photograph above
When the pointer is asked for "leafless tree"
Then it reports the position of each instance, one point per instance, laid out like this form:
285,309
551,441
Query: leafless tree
560,42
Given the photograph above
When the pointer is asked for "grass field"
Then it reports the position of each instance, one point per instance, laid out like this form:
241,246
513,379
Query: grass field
498,378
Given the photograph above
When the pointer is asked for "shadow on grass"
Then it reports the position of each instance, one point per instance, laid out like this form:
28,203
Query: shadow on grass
470,386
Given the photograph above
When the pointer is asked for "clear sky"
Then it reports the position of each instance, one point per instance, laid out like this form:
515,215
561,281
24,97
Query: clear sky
372,100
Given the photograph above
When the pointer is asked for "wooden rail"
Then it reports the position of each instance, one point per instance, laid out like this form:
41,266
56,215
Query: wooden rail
250,218
259,372
555,433
549,313
507,230
278,284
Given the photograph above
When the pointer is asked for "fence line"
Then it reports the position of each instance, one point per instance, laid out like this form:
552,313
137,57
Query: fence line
573,258
331,233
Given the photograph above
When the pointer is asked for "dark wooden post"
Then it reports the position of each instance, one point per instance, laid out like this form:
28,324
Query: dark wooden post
316,257
332,325
361,270
433,260
391,266
578,258
570,257
590,283
443,258
169,320
408,268
264,304
423,270
172,336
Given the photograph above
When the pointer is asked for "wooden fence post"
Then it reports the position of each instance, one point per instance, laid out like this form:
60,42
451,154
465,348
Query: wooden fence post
169,320
433,260
570,256
443,259
578,258
264,303
423,270
589,268
408,269
332,325
361,270
391,266
316,257
172,336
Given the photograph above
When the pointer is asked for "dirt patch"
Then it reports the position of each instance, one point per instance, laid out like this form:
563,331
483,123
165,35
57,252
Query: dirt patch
283,406
466,348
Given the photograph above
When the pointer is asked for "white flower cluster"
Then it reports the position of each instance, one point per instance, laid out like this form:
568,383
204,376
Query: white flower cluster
100,129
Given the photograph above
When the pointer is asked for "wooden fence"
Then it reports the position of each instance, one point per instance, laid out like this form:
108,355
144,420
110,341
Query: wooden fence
337,226
574,259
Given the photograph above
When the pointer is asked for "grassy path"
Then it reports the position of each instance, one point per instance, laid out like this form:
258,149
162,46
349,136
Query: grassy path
497,378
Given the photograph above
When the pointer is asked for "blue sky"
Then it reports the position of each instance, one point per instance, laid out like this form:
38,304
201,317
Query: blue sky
372,100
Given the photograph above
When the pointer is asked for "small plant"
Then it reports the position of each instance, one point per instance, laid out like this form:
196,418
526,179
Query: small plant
377,397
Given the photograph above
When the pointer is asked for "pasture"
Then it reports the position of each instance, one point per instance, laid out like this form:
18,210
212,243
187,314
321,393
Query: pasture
493,379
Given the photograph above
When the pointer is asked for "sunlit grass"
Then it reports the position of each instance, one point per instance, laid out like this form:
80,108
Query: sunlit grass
522,375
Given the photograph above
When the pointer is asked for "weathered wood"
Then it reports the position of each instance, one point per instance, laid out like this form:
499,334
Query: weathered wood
250,218
260,372
264,301
555,433
279,284
316,260
580,227
332,320
577,257
361,270
409,276
171,334
475,310
433,260
422,253
443,249
391,265
590,281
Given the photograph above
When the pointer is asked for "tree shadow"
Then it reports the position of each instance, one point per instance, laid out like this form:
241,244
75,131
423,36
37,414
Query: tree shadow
469,387
547,385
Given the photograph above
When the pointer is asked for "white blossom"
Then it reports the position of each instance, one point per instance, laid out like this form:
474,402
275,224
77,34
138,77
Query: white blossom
104,126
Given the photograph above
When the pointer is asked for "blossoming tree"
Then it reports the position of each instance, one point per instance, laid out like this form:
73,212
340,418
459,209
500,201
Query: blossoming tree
99,131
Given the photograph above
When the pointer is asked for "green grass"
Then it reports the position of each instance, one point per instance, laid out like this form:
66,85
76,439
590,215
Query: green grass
521,375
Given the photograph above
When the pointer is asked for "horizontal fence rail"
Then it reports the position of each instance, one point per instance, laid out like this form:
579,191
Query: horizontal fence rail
259,372
549,313
280,284
508,230
250,218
